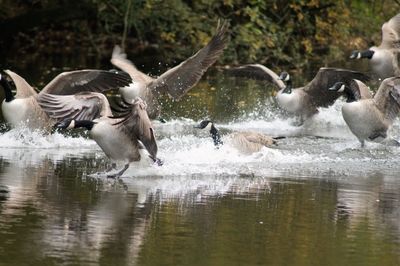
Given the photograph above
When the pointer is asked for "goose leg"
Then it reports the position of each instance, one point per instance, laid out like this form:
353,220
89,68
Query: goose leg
362,143
117,175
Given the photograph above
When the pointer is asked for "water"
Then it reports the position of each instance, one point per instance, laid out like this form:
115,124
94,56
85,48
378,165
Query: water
315,199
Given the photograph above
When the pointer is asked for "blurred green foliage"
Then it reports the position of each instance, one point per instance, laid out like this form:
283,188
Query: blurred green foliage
290,33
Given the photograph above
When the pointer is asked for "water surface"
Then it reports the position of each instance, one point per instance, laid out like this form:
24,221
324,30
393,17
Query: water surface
317,198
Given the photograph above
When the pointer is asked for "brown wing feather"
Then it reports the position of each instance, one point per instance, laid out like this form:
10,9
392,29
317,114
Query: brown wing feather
318,91
136,123
180,79
81,106
387,98
120,60
257,72
73,82
391,33
24,90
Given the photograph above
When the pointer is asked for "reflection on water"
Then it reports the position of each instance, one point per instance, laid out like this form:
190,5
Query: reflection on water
315,199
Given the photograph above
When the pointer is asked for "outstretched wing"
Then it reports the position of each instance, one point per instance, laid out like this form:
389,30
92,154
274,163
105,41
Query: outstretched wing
391,33
120,60
81,106
135,123
68,83
257,72
387,98
179,80
318,91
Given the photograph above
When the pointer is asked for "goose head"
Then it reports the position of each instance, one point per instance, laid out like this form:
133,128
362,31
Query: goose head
362,54
285,77
209,125
343,88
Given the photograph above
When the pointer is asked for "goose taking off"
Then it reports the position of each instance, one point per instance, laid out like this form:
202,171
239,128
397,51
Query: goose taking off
24,108
370,118
304,101
122,138
177,81
385,58
244,142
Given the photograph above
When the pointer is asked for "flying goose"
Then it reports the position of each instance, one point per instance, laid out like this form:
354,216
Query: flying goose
122,138
385,58
303,101
177,81
23,107
244,142
370,118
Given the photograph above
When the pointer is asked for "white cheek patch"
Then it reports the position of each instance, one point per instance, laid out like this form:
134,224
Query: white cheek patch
208,127
341,88
358,55
287,77
71,125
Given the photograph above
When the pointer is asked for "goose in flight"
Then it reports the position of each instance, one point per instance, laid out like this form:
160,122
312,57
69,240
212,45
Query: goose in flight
122,138
23,108
370,118
303,101
177,81
245,142
385,58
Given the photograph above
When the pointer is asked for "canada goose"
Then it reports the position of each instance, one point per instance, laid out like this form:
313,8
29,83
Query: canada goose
23,107
177,81
370,118
245,142
120,137
385,58
303,101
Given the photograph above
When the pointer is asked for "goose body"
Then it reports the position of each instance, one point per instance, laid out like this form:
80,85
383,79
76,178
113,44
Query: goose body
303,101
23,108
177,81
385,58
370,118
244,142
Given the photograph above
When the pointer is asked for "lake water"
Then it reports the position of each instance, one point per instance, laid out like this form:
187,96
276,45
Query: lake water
318,198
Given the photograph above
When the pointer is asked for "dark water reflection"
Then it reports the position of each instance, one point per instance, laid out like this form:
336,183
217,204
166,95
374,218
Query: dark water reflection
52,214
312,201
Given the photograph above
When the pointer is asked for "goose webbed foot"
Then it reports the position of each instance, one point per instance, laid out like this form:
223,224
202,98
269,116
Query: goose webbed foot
156,160
118,174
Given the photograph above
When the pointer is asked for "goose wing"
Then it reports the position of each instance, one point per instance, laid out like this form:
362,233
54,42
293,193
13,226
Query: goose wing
179,80
24,90
391,33
326,78
257,72
81,106
360,90
387,98
135,123
120,60
68,83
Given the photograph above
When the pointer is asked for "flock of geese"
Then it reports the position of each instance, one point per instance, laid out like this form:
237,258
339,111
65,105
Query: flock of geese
124,130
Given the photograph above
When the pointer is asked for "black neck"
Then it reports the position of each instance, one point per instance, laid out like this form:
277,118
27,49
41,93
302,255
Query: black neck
88,124
367,54
288,88
350,96
7,89
216,136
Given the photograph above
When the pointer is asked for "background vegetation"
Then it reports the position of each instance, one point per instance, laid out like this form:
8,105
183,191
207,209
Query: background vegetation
289,33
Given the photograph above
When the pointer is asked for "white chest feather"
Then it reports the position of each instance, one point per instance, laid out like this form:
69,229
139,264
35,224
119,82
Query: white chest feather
364,120
15,111
113,142
290,102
